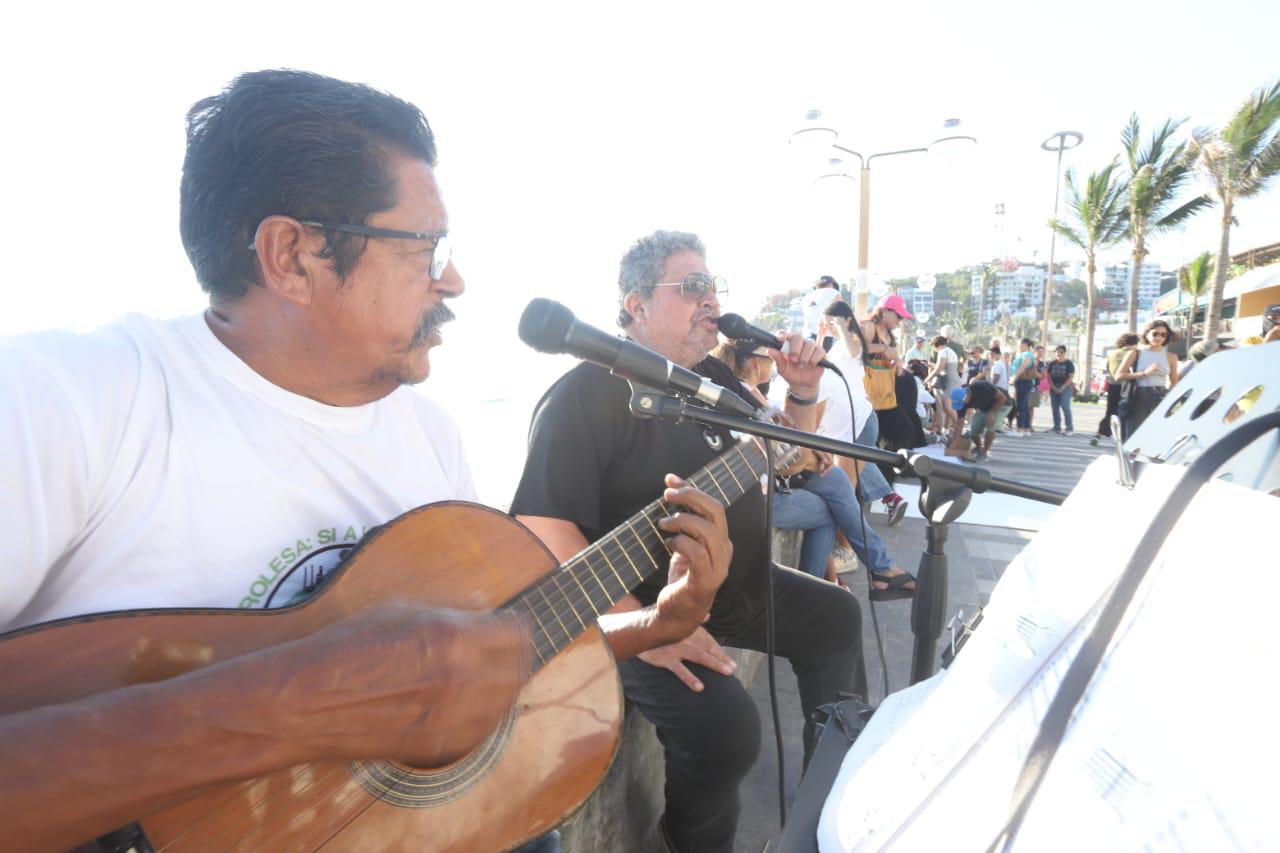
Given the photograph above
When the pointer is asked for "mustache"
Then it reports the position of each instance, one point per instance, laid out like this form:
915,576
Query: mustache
431,323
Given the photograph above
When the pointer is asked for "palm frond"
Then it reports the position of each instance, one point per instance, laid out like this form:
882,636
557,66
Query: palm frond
1249,126
1069,234
1180,215
1264,167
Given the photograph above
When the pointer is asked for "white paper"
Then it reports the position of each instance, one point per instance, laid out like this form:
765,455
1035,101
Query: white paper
1172,748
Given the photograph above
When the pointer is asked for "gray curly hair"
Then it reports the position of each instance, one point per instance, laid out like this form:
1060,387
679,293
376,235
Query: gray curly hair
644,262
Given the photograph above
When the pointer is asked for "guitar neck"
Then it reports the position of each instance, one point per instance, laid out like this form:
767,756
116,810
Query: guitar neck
566,602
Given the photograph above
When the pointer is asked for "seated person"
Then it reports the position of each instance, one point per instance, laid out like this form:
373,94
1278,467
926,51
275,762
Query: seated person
592,465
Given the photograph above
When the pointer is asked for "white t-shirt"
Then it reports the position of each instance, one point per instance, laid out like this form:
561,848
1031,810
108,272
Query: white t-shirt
815,302
999,374
923,398
836,419
146,465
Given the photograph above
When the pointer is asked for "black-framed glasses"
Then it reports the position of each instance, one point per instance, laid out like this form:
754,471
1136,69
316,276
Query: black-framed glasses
441,250
697,285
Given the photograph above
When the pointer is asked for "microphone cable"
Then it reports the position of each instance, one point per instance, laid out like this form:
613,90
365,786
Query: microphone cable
862,520
769,630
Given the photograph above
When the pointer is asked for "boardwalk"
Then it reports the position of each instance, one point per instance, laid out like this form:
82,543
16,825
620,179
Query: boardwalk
976,557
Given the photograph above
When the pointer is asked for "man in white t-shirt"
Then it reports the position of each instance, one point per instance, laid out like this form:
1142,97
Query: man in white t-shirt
232,459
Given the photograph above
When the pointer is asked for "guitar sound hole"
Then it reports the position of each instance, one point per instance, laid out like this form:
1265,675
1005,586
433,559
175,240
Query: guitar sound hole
404,785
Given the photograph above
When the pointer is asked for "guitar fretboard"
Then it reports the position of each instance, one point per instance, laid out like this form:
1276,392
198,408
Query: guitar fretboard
566,602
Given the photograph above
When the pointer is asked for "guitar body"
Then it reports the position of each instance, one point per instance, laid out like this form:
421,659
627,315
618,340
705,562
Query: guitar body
543,762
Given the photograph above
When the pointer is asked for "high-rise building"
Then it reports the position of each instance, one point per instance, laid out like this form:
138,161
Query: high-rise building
1115,287
1014,290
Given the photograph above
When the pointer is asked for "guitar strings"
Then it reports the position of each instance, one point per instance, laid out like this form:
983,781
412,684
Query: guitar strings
548,615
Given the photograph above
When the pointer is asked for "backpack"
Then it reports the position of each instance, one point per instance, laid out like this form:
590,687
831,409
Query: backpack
1028,368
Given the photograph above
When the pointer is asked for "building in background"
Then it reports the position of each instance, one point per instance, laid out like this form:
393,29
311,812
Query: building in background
918,301
1115,286
1020,289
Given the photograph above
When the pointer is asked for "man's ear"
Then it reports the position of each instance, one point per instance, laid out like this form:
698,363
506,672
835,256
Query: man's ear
635,304
286,257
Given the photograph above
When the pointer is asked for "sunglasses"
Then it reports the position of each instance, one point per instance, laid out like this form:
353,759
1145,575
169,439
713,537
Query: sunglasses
698,285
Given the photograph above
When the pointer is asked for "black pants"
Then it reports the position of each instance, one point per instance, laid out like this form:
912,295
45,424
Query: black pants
711,739
1113,402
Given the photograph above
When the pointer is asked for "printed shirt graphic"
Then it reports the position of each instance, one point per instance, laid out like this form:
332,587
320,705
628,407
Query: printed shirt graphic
150,467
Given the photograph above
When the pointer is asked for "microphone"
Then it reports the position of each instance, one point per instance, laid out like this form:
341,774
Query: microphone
733,326
550,327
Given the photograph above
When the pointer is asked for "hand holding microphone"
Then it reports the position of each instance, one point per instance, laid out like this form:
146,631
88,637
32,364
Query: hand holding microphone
735,327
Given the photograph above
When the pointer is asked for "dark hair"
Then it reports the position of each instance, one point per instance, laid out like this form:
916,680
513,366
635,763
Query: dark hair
1028,342
1128,339
918,368
840,308
940,341
293,143
1170,334
1060,348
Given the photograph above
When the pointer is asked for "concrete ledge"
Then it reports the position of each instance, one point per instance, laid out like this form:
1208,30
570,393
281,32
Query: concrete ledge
622,814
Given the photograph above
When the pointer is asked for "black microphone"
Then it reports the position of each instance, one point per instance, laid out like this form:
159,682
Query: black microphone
733,326
550,327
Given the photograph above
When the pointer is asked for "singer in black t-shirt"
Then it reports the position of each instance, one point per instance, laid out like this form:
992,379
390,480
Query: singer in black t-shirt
591,465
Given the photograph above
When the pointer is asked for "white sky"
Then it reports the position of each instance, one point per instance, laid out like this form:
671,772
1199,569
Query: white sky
566,130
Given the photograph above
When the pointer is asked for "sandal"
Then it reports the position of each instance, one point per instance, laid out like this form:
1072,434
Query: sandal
895,586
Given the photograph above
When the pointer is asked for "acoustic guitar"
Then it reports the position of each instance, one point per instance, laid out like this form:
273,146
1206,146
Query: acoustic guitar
541,764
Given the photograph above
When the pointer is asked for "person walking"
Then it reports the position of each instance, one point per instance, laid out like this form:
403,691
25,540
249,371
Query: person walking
1152,369
946,378
1025,376
1124,344
1061,373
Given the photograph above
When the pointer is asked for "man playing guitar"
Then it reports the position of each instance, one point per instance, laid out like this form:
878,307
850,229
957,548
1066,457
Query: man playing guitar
231,459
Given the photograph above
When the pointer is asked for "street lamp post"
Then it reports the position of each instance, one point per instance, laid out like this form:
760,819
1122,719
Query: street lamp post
1063,140
827,137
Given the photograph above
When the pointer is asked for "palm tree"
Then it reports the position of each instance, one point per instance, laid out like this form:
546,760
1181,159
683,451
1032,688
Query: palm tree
1101,221
1239,160
989,278
1194,281
1157,173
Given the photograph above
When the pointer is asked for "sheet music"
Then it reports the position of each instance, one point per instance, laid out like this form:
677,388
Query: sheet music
1170,748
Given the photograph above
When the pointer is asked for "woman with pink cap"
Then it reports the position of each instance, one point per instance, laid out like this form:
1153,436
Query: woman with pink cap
896,429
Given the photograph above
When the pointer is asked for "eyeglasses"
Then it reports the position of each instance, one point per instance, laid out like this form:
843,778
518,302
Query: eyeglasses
698,285
1154,334
440,248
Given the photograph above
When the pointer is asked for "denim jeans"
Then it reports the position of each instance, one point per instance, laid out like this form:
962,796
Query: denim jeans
837,493
818,508
1061,401
802,510
1022,390
871,481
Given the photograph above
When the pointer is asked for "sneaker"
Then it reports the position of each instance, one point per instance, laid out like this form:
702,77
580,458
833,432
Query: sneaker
980,457
895,507
1068,432
1094,441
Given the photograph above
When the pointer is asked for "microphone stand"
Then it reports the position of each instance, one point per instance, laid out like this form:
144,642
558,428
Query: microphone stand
945,491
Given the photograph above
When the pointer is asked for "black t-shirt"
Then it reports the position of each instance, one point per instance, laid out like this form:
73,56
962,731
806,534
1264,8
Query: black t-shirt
593,463
982,395
973,367
1059,371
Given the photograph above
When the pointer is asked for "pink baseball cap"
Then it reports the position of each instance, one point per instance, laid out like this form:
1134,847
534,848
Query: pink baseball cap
895,303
